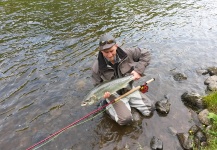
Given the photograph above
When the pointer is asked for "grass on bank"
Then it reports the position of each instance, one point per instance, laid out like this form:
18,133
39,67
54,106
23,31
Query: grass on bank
211,104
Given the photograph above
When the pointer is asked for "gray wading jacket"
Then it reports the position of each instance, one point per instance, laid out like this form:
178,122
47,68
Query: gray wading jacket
130,59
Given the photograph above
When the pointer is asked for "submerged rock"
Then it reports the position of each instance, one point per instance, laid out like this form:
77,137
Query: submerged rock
179,77
162,106
156,144
193,101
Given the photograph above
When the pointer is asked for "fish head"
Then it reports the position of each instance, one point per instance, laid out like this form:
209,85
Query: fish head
89,101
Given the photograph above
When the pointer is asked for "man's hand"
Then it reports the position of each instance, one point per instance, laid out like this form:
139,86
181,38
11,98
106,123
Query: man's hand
107,95
136,75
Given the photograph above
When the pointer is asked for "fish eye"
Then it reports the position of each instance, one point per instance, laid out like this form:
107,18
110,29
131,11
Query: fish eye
83,104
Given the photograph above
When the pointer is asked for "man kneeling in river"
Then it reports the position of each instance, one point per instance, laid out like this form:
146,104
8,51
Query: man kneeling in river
115,62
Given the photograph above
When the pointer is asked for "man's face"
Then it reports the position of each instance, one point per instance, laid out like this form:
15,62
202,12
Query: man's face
110,53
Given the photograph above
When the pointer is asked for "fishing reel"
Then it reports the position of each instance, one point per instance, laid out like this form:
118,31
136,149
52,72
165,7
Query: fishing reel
143,88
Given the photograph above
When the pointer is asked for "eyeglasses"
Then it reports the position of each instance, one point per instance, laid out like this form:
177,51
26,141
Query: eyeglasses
102,43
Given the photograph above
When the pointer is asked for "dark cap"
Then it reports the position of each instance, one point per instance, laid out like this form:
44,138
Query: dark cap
106,41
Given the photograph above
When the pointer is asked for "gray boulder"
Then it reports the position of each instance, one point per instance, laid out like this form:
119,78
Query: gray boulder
186,141
203,117
211,83
193,101
212,71
163,106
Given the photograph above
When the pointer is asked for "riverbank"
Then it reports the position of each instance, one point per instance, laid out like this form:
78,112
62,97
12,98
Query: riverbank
202,135
211,104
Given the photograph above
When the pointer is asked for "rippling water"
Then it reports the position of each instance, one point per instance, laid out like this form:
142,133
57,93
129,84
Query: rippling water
47,49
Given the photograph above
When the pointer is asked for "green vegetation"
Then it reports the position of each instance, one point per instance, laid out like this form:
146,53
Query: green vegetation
211,103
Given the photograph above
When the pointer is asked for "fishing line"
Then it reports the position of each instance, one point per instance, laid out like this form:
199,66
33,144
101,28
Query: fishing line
51,139
54,135
142,88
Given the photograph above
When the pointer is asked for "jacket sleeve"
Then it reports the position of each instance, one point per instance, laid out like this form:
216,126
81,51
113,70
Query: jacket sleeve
95,74
142,58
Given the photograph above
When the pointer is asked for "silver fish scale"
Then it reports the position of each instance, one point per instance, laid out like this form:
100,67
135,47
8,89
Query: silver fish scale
111,87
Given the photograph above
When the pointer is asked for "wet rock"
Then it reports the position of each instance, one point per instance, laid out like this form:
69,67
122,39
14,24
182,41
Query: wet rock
211,82
186,141
202,71
203,117
194,129
193,101
198,135
195,138
200,139
179,77
210,79
212,71
162,106
156,144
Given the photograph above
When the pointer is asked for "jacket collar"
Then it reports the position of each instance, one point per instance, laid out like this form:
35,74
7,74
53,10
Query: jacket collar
103,66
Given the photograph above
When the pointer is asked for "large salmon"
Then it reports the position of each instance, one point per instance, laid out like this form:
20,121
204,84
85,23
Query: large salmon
112,86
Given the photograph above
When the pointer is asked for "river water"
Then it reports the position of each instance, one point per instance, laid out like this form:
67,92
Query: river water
46,52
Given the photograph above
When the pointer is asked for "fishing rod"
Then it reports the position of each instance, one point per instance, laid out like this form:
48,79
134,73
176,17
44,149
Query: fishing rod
141,88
